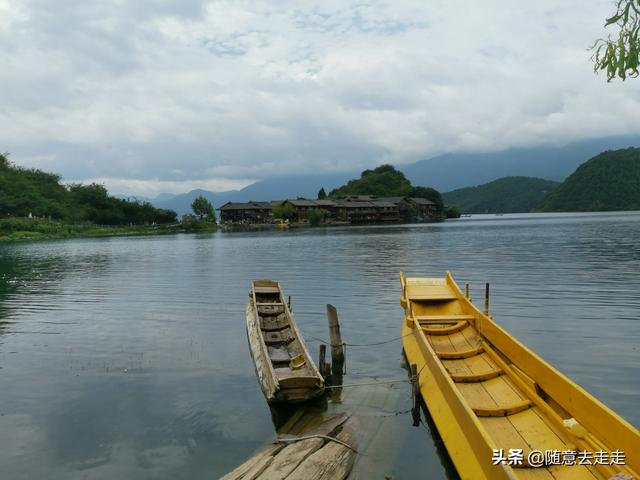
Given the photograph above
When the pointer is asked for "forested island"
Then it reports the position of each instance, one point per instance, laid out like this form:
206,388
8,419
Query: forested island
36,204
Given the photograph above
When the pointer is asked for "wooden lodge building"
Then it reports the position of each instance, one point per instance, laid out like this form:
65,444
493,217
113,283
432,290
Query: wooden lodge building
352,209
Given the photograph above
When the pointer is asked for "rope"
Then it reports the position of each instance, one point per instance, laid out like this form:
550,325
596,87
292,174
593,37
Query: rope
307,437
386,382
364,344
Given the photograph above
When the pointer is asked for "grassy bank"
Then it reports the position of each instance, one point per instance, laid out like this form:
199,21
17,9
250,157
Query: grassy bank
28,228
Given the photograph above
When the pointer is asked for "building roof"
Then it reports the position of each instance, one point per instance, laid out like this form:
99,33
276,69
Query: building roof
422,201
246,206
325,203
303,202
395,200
383,203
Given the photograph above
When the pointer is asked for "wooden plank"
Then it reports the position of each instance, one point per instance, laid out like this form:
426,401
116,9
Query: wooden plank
332,462
290,457
503,410
443,318
459,354
257,459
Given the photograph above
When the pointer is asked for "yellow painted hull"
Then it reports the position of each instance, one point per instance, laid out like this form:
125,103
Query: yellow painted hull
487,392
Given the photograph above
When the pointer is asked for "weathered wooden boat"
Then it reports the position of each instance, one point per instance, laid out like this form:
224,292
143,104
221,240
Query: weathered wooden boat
496,404
284,367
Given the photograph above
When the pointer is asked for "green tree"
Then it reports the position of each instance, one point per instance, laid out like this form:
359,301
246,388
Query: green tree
317,216
322,195
203,208
451,211
619,55
384,181
286,211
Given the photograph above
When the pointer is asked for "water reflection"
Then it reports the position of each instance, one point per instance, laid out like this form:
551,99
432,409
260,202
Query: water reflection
148,372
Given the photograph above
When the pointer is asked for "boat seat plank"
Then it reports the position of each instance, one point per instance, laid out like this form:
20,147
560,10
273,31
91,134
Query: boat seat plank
445,330
475,377
277,337
258,290
271,323
274,304
423,319
431,297
504,410
270,309
459,354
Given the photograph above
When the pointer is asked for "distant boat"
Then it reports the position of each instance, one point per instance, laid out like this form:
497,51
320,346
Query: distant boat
465,215
494,402
499,214
284,367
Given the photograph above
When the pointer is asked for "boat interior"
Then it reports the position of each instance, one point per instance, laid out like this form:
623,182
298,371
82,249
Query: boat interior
517,400
291,364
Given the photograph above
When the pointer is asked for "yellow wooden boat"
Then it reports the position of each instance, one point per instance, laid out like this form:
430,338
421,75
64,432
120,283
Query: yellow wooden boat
496,404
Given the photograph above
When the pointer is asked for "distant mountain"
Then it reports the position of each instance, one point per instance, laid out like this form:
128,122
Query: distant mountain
457,170
444,173
275,188
609,181
504,195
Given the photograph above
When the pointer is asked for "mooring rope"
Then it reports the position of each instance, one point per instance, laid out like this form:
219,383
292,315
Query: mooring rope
307,437
364,384
364,344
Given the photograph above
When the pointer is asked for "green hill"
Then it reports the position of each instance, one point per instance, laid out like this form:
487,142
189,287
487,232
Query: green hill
609,181
386,181
504,195
29,191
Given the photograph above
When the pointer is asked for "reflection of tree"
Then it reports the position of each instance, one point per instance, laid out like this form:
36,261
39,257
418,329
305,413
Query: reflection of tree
30,268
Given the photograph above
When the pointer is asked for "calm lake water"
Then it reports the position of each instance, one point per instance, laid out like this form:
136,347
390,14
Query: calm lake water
127,357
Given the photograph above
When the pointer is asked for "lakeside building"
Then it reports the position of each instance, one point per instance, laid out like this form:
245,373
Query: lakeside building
353,209
249,212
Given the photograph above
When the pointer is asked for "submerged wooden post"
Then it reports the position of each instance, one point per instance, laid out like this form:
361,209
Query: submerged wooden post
415,394
325,368
337,351
486,299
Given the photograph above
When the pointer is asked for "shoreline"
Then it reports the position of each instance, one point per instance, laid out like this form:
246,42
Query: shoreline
48,230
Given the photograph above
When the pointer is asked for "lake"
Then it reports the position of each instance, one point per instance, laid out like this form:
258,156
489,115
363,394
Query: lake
128,358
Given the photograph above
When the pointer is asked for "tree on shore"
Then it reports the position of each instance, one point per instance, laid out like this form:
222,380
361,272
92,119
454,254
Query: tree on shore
322,195
203,208
286,211
619,55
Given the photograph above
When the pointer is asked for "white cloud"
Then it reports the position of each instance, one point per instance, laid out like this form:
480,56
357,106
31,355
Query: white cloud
157,92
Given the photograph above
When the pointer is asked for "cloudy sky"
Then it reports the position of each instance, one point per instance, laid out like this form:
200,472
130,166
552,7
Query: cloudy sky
150,96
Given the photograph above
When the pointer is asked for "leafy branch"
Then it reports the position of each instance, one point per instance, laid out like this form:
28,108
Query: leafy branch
620,55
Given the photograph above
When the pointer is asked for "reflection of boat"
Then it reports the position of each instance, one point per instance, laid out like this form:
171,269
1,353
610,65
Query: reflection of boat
284,367
496,404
